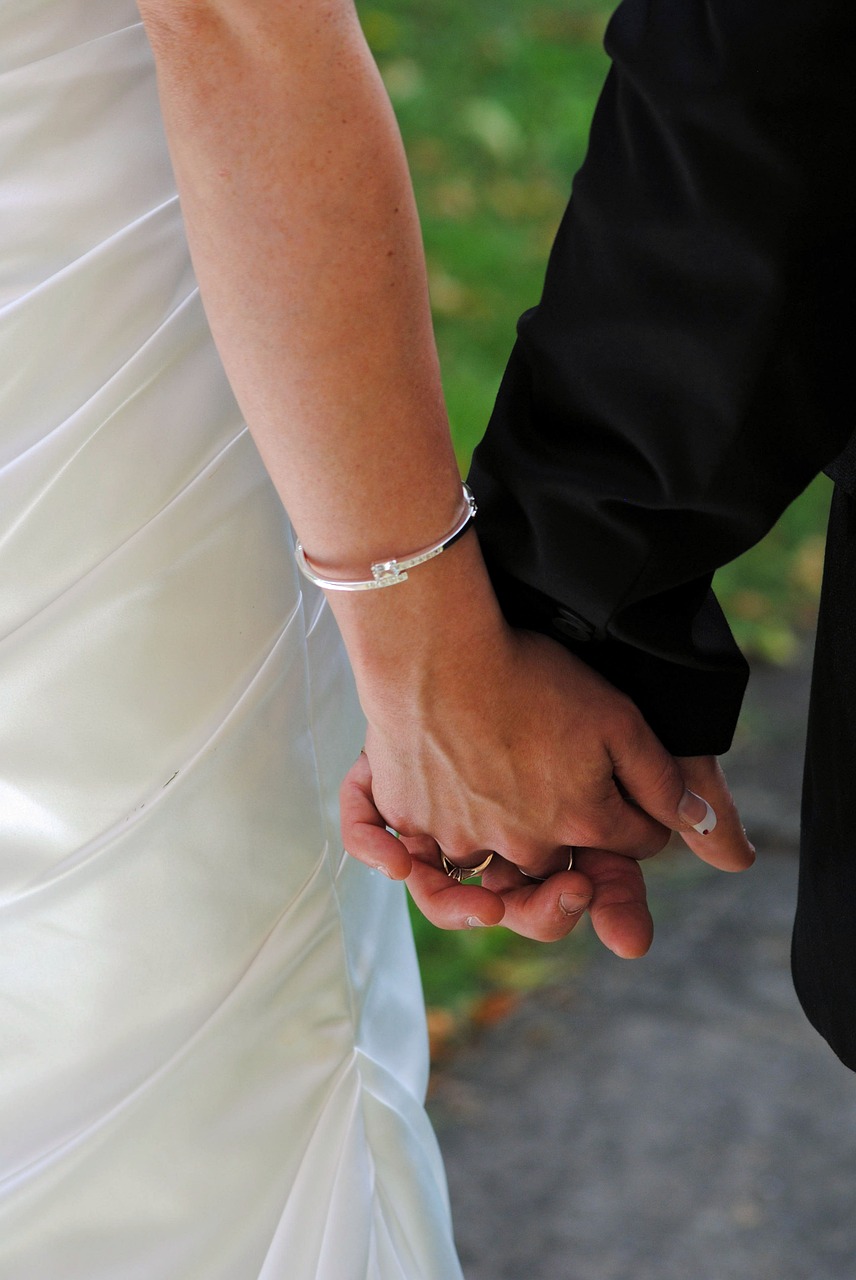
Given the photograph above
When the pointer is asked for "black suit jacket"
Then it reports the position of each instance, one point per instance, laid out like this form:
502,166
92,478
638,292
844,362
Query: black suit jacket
690,365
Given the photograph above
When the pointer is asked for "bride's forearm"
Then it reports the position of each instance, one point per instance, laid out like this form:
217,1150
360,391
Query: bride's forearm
306,243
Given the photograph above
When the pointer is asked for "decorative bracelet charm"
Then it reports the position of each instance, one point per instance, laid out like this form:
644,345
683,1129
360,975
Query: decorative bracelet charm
389,573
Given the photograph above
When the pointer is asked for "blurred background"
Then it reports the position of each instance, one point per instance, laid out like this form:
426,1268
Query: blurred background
675,1117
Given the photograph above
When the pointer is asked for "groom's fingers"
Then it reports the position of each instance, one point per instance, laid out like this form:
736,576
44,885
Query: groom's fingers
364,832
619,906
442,900
610,885
542,910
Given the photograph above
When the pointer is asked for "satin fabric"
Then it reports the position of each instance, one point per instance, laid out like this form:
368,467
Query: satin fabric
212,1046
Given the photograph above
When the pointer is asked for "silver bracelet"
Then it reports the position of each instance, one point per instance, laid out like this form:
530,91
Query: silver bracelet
388,573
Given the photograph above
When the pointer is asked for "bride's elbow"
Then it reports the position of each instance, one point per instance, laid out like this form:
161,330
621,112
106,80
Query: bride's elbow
173,23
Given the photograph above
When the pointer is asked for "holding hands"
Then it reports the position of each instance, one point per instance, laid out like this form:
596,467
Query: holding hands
506,742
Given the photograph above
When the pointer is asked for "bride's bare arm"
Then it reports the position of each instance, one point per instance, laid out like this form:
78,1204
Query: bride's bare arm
306,243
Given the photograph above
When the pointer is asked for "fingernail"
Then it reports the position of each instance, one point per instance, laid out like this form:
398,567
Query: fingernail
383,871
474,923
571,904
697,813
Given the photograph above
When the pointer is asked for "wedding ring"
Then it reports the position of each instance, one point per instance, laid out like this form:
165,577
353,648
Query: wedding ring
541,879
454,872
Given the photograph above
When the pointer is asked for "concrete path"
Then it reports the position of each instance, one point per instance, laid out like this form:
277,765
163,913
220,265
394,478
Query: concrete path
674,1118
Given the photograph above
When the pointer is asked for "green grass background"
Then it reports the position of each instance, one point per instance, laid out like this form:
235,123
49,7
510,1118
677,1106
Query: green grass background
494,99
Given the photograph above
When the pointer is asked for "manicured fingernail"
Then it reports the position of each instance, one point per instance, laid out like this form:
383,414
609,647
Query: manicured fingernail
474,923
697,813
572,904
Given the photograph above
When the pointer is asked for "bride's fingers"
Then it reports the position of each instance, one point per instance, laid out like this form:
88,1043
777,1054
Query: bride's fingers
725,845
364,832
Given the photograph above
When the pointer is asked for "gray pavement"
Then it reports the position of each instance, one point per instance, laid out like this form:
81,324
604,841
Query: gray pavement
674,1118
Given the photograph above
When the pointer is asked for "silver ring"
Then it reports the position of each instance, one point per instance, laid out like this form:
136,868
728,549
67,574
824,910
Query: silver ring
454,872
541,879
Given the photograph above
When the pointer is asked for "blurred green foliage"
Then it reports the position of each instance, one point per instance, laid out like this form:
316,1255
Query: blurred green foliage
494,99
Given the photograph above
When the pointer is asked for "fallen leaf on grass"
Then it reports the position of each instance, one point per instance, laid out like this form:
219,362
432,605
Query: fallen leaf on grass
494,1007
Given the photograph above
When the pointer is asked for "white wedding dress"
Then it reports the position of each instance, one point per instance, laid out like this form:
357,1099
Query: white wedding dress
212,1050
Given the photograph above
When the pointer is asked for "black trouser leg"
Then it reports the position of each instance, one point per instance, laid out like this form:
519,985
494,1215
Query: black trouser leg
824,942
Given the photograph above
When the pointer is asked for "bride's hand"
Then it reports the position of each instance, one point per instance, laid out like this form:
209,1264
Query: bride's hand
484,737
610,886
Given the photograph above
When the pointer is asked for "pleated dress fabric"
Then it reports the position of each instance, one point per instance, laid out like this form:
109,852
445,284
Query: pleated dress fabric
212,1045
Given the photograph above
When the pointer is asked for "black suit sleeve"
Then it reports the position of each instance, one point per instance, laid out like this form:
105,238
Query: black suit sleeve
687,371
